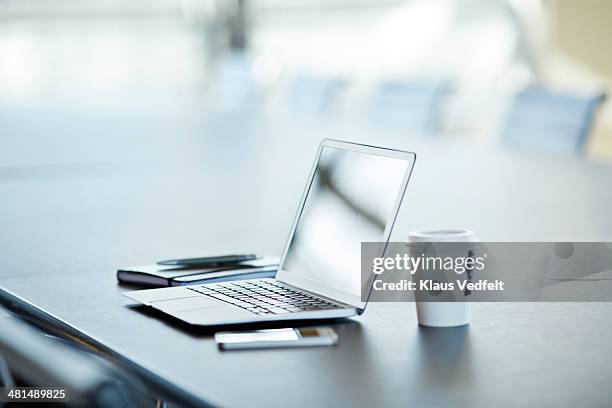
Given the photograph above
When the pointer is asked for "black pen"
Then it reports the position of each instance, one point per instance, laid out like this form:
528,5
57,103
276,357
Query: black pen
209,261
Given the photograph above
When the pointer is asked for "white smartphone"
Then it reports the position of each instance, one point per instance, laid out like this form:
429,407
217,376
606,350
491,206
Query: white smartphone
276,338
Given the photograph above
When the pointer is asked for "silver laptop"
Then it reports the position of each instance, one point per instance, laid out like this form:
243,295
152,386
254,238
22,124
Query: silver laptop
353,195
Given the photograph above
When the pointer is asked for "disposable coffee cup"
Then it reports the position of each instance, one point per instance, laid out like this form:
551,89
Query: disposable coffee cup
448,313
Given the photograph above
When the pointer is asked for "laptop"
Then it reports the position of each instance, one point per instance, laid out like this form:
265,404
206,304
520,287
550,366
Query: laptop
353,195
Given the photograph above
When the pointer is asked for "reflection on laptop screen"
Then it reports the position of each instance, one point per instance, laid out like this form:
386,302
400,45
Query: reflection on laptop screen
350,201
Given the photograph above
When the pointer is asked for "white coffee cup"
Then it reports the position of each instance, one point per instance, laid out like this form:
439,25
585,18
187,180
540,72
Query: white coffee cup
442,314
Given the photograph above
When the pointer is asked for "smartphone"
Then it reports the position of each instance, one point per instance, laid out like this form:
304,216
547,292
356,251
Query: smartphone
276,338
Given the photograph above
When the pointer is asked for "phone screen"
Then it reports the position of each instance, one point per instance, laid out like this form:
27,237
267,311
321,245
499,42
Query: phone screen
258,335
276,338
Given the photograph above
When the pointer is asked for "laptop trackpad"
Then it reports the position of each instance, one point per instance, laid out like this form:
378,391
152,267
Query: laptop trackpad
186,304
202,310
216,315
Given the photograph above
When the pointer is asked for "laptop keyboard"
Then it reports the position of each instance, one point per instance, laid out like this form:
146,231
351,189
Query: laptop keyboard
265,297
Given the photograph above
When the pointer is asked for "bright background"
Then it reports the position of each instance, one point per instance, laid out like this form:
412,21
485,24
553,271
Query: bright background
113,59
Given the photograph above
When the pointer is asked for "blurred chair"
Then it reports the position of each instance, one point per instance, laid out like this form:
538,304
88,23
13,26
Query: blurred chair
315,95
6,378
545,120
89,380
414,106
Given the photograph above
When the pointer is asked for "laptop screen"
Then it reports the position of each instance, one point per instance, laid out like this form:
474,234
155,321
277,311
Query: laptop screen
350,200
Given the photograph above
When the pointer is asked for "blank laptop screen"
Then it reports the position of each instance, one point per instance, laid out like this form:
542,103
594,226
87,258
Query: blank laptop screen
350,200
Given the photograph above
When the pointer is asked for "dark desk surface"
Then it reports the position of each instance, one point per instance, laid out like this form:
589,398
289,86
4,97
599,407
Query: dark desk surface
76,208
